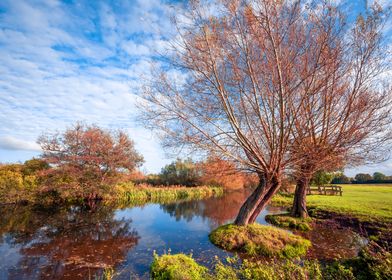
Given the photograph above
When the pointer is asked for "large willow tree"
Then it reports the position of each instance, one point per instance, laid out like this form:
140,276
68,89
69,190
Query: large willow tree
236,83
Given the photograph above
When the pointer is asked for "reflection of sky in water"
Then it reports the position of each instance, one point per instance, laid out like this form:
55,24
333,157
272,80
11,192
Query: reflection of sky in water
161,232
67,244
9,256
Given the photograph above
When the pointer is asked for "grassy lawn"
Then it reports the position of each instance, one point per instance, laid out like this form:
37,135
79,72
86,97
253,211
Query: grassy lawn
366,202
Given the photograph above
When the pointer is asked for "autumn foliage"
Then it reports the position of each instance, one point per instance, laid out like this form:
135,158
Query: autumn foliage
87,160
216,171
19,182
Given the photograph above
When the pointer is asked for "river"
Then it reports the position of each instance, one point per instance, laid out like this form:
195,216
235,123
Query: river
78,242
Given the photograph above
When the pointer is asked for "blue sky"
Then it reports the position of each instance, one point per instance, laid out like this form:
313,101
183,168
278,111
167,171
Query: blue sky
68,61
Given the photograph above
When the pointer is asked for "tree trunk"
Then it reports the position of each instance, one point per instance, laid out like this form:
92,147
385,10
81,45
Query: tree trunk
275,185
299,205
256,202
251,203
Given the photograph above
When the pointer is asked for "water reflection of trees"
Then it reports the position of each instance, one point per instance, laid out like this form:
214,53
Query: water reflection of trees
66,243
218,209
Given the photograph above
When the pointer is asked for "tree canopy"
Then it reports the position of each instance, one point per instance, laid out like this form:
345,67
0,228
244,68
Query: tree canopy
88,158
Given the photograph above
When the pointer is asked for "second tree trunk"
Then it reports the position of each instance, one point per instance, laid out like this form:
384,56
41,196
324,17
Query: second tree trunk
299,206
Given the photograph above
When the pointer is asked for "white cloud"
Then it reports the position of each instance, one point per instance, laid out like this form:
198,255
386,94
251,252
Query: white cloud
384,167
11,143
133,48
61,63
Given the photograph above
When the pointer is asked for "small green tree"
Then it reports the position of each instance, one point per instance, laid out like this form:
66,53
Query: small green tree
363,178
34,165
378,176
180,172
340,178
321,178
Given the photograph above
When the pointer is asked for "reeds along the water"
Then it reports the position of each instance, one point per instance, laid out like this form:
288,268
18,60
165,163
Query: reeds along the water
128,193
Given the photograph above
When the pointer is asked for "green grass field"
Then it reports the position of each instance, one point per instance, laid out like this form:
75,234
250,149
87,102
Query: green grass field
365,202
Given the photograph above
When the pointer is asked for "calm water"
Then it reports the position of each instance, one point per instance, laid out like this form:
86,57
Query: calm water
76,243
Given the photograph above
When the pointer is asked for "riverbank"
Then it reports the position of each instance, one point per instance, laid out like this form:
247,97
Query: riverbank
366,209
129,194
125,194
367,203
370,264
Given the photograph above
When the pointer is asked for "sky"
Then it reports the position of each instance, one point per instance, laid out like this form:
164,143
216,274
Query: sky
68,61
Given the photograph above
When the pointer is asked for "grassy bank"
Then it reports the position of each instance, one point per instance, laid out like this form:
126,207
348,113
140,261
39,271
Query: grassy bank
177,266
130,194
286,221
370,203
259,240
180,266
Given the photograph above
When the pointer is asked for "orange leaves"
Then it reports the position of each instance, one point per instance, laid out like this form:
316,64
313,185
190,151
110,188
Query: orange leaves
221,172
89,157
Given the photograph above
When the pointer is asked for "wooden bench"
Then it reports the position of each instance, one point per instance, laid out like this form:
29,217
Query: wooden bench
325,190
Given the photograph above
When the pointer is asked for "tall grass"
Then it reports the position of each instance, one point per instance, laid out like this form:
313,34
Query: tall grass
107,274
130,194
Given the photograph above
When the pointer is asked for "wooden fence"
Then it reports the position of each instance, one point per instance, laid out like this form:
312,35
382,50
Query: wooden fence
325,190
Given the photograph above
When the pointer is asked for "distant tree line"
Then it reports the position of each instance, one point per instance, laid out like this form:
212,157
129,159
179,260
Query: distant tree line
362,178
323,178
